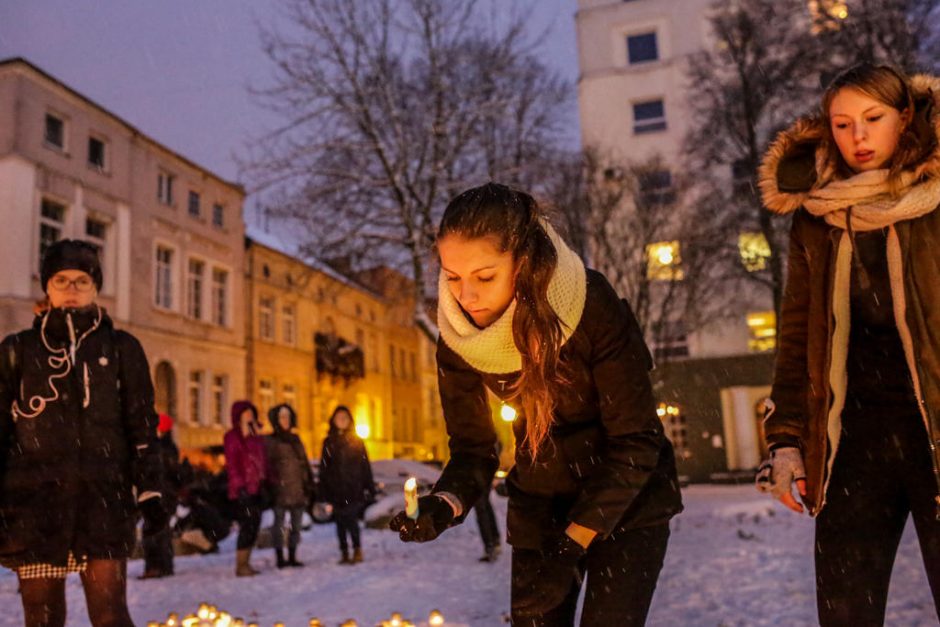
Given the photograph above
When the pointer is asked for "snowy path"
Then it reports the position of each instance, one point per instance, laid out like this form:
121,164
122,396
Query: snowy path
734,559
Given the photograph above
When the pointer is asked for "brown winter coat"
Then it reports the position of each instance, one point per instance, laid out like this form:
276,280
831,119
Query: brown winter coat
802,394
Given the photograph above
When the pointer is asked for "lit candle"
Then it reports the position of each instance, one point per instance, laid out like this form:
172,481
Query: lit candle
411,498
315,622
435,618
350,623
395,619
173,620
190,621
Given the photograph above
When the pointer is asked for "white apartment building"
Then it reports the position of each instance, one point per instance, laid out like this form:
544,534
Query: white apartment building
632,93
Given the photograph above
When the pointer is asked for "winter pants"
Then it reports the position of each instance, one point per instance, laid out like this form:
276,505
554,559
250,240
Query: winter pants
296,520
882,473
621,571
347,523
105,586
158,552
486,520
248,512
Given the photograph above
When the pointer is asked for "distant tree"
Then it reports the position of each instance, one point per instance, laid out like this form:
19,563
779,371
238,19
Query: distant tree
660,248
391,107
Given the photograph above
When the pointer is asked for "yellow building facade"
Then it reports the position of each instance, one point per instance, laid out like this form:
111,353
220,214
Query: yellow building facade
317,339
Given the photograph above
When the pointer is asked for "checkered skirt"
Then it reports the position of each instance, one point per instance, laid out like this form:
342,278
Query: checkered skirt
49,571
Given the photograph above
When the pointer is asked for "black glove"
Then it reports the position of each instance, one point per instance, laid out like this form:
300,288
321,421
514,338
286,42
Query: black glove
155,515
434,516
543,586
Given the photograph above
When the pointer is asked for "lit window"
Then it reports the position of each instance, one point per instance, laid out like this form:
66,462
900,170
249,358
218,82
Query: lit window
195,397
266,318
54,133
649,116
163,281
664,262
763,327
194,282
51,223
675,427
642,48
755,251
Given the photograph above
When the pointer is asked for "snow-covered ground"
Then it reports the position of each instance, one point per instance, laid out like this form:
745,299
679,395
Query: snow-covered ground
734,558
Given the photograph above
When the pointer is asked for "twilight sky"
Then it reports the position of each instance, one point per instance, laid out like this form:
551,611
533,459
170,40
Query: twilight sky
178,69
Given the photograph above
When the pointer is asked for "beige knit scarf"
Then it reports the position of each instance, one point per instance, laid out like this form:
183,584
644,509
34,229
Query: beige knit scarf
492,350
872,207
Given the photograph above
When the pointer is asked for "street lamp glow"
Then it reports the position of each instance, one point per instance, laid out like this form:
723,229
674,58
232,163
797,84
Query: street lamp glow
507,413
362,430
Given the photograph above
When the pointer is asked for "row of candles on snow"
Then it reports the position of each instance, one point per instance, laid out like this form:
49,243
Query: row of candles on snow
210,616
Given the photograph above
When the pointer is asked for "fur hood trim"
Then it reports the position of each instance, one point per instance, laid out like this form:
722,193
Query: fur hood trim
796,162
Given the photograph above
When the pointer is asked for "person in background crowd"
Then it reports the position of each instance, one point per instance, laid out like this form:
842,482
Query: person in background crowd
346,481
292,481
77,441
853,421
246,463
158,544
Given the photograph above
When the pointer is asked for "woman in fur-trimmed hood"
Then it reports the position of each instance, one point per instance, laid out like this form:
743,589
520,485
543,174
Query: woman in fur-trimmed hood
854,418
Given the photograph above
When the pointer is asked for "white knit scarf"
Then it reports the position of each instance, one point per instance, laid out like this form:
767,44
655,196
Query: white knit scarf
873,207
492,349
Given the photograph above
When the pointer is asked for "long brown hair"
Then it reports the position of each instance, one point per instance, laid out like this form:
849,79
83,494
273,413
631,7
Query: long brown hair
892,88
511,219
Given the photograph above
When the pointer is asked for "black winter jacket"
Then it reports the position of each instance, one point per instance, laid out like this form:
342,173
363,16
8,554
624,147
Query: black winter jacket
67,474
291,475
606,465
345,472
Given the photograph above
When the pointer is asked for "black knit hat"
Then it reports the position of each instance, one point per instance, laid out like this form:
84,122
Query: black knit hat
70,254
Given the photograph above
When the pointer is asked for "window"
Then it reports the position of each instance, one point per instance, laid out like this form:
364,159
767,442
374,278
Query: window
194,282
391,362
96,232
670,340
402,369
55,131
194,208
218,215
675,427
265,396
165,188
649,117
266,318
195,397
96,153
763,327
51,223
290,395
656,188
219,297
663,261
219,401
642,48
373,352
163,282
287,320
414,367
755,251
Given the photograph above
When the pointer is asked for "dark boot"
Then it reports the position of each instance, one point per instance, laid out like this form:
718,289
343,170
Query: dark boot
279,553
492,554
357,555
292,558
345,559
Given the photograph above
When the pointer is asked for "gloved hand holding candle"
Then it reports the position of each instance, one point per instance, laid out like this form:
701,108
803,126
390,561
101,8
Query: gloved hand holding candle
424,518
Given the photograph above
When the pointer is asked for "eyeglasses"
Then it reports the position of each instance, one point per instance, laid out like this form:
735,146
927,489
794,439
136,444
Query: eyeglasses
81,284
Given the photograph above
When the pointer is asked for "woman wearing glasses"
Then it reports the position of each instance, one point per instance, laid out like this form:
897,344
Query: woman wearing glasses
78,451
